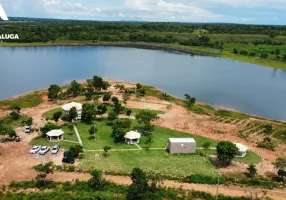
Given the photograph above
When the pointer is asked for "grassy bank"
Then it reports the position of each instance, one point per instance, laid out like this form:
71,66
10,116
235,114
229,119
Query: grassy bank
200,50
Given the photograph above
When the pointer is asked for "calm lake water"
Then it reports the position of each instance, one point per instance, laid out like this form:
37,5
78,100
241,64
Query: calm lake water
221,82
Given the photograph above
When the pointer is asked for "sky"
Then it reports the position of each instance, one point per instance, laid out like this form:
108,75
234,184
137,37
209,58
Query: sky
226,11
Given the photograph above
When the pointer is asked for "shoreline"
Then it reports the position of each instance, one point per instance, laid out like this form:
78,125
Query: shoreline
139,45
172,48
134,83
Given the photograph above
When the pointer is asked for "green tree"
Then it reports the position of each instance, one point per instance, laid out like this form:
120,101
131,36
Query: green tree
15,115
189,100
139,189
226,151
107,96
75,88
277,52
29,121
106,149
96,181
48,127
146,117
72,114
138,86
57,116
97,82
119,129
149,140
128,112
88,94
53,91
206,146
16,107
88,113
235,51
92,131
101,109
252,170
75,150
264,55
126,97
112,115
115,100
280,165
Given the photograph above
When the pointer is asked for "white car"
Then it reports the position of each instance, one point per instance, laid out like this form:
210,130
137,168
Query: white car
27,129
55,149
35,149
44,150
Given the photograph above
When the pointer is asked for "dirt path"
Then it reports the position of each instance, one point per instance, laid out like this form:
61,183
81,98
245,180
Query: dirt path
226,190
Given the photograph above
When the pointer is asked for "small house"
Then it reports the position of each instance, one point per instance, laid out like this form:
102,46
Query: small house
241,149
182,145
66,108
132,137
55,135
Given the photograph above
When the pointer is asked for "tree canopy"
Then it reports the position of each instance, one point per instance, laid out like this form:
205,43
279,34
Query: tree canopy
226,151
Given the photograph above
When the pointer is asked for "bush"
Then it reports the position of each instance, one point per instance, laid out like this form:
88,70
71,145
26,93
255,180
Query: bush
268,128
244,52
235,51
199,178
267,144
75,150
252,54
112,115
264,55
15,115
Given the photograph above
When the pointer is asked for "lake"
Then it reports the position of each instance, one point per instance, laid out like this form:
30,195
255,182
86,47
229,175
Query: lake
221,82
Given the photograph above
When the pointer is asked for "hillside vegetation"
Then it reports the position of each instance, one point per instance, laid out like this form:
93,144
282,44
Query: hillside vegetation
259,44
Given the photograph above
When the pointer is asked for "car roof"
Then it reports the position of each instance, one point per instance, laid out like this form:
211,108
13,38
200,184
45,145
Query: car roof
28,126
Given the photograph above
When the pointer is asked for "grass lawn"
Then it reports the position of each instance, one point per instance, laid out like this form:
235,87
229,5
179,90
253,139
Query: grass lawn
251,157
158,161
68,135
160,137
26,101
50,113
44,142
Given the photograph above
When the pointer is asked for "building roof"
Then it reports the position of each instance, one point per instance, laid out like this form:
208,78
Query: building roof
182,140
68,106
55,133
241,147
132,135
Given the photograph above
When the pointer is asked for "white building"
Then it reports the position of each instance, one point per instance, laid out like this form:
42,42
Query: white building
241,149
132,137
182,145
66,108
55,135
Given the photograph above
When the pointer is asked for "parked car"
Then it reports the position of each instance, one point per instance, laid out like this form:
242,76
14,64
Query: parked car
55,149
35,149
67,158
27,129
44,150
17,139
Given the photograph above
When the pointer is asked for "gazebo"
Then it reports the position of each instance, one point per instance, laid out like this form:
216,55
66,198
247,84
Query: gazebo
241,149
55,135
132,137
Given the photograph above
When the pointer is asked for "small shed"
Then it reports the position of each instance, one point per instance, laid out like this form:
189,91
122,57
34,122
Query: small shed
182,145
55,135
66,108
132,137
241,149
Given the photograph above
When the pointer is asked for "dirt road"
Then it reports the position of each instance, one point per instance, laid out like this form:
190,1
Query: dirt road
226,190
